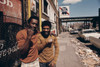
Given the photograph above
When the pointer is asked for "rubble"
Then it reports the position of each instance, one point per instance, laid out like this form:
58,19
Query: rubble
87,56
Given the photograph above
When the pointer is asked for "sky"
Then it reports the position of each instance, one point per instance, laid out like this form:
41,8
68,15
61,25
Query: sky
82,8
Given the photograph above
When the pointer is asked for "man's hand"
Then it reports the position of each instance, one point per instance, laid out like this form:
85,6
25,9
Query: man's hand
29,33
51,64
53,34
50,40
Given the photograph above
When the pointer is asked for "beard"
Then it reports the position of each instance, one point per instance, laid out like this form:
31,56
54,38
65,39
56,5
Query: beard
45,34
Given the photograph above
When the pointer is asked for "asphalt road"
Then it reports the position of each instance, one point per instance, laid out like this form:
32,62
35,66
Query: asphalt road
67,56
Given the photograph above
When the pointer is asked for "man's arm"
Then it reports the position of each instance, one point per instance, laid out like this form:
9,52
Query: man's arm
24,49
56,52
42,43
23,44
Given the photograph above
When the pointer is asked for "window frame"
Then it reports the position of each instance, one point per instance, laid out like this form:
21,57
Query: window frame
43,8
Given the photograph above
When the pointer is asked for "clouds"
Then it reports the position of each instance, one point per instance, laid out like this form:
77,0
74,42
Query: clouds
71,1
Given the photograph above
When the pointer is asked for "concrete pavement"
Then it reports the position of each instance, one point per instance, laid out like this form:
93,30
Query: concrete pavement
67,56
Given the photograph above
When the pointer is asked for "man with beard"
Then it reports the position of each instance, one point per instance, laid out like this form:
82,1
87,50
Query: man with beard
27,43
46,44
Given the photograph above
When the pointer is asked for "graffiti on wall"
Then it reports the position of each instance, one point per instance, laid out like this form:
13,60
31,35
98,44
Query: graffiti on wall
8,45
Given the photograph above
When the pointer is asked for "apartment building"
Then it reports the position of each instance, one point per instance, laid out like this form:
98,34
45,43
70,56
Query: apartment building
50,12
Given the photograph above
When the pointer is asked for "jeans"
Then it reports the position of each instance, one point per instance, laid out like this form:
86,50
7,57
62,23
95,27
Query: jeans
44,64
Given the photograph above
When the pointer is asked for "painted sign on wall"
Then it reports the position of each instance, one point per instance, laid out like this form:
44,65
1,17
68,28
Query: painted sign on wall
11,8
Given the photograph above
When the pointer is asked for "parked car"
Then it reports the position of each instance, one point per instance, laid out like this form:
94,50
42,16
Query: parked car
69,29
86,33
74,31
95,42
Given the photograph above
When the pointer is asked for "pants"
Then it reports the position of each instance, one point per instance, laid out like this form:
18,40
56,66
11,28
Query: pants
45,65
32,64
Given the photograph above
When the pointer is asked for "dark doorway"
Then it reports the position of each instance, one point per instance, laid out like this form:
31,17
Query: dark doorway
1,25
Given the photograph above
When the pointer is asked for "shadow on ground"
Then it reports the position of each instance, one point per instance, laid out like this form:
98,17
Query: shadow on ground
82,40
95,49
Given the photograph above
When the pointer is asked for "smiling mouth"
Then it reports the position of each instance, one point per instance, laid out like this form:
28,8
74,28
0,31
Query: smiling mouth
46,32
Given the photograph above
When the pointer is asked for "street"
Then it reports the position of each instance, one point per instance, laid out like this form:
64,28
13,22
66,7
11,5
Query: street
67,56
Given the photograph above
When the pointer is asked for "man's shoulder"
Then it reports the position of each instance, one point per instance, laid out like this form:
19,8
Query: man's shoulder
23,31
39,35
53,36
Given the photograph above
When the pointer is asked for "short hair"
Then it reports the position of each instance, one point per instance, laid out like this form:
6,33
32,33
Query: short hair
33,17
46,23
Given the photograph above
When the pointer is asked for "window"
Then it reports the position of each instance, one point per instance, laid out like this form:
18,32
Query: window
33,6
45,6
54,17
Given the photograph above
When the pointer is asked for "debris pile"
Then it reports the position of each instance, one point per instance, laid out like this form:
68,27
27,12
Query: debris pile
87,56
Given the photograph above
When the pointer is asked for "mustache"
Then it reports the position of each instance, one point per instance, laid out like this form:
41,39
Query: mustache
46,32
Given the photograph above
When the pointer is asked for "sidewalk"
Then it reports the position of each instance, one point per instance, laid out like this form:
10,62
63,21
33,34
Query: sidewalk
67,56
